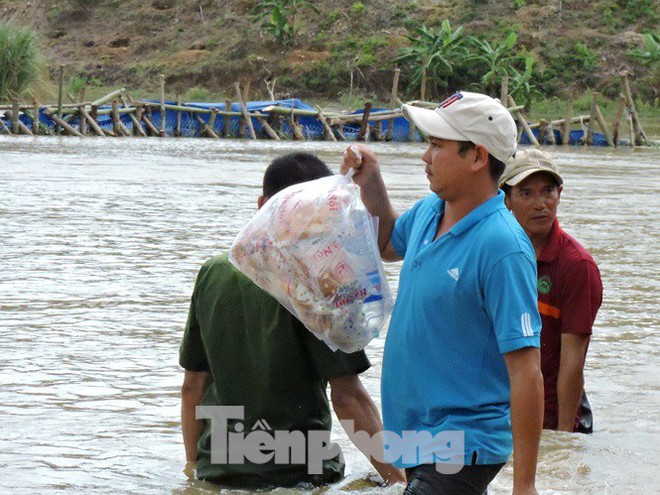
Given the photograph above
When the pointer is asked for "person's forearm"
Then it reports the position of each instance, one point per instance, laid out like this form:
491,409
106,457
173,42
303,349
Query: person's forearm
191,427
367,419
358,407
526,425
570,384
526,381
375,198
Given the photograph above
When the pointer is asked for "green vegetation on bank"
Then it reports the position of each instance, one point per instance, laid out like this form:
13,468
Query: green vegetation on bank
347,50
19,60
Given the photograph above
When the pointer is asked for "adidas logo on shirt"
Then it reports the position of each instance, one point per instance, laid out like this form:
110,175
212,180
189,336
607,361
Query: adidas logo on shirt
453,273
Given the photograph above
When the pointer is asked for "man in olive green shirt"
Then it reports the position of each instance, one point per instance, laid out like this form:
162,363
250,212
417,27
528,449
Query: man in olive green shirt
242,348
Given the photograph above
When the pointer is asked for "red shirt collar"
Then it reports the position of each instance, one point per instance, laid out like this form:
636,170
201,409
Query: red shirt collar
550,250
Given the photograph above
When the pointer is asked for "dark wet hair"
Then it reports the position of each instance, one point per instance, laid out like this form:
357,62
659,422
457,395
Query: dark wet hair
292,168
495,167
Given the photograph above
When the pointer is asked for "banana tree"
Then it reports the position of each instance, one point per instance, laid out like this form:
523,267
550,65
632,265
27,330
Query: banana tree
280,17
433,55
497,60
650,54
520,85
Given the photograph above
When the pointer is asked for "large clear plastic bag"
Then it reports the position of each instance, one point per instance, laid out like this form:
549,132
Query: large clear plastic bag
313,246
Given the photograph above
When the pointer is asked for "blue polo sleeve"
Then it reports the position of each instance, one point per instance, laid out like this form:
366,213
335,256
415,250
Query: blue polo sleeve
511,302
403,227
401,234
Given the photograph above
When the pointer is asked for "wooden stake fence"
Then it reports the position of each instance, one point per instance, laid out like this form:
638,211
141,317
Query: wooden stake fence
369,124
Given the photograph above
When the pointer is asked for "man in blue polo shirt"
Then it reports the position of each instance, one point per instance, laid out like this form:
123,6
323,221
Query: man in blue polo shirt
462,350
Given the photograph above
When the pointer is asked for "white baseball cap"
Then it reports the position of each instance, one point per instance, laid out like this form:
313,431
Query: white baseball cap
471,117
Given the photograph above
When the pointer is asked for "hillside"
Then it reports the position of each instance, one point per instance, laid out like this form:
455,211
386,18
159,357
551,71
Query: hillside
209,44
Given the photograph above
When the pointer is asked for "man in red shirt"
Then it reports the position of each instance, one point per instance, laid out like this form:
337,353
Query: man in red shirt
569,286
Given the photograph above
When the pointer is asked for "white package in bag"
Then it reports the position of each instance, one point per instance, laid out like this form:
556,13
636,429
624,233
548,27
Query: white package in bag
313,246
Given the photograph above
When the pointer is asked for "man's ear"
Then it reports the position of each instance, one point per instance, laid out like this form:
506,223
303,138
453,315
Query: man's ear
559,190
481,157
261,200
507,202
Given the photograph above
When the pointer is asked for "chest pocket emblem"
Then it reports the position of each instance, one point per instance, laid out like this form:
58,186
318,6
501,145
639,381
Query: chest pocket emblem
544,284
453,273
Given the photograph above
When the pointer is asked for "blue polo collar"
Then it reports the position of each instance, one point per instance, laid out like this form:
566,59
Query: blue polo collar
486,208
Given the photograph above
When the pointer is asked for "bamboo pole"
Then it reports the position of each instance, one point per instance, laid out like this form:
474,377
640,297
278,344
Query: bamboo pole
150,125
373,117
326,127
275,122
411,132
603,126
566,132
24,129
82,122
119,127
169,106
92,122
108,97
377,131
395,88
139,113
93,115
71,107
63,124
297,135
364,125
590,128
546,132
212,117
617,119
561,122
15,114
269,130
72,112
504,91
340,134
204,128
520,117
640,136
246,117
227,123
390,129
177,128
163,115
30,115
137,126
3,127
35,118
59,96
631,127
300,112
115,119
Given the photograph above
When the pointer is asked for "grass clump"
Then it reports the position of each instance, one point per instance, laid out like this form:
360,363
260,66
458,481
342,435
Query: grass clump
20,60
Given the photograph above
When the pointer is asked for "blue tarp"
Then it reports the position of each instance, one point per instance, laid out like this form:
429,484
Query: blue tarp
312,128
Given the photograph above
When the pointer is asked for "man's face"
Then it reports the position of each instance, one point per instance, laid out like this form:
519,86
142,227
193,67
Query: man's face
446,168
534,203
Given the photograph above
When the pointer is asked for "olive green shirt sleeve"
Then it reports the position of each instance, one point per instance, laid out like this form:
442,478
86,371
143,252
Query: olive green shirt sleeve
328,363
192,355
